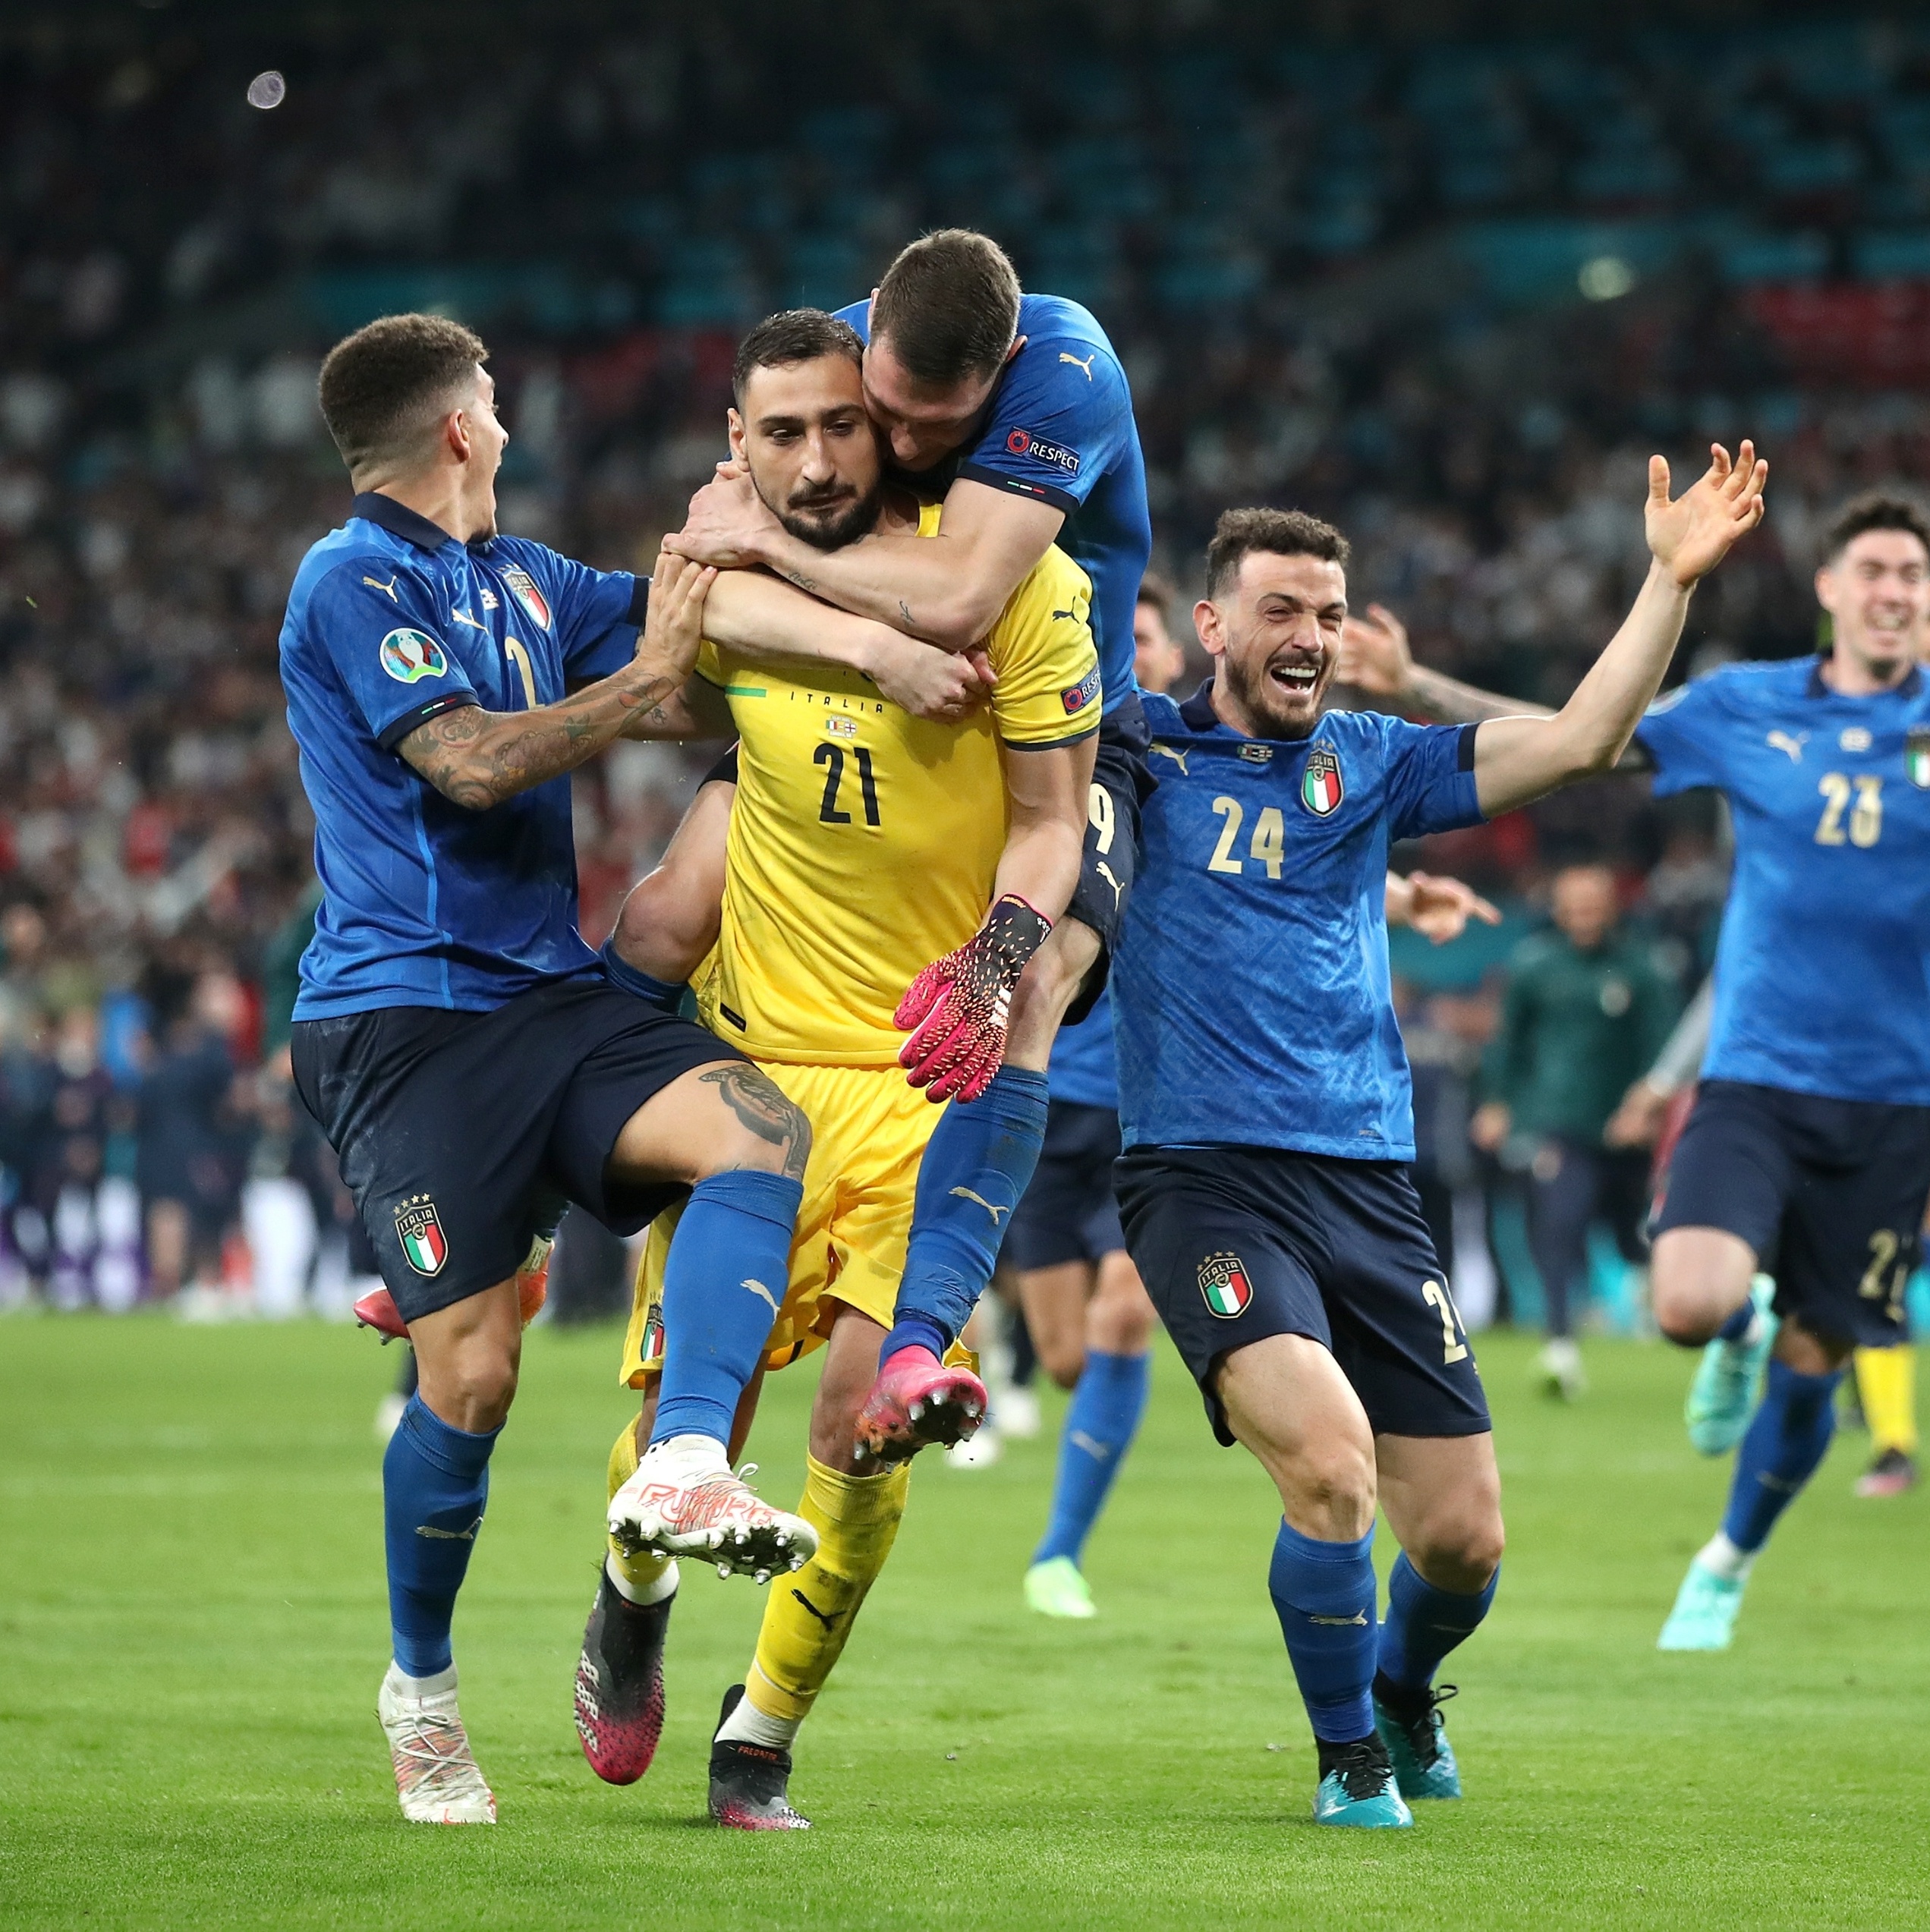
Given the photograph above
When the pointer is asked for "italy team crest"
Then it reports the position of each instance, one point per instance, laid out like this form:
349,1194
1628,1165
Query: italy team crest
528,595
653,1334
1321,788
1916,757
424,1245
1224,1282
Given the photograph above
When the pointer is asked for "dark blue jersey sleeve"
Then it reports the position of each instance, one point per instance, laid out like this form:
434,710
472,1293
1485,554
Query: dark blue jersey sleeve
1430,778
377,625
1060,417
596,612
1682,732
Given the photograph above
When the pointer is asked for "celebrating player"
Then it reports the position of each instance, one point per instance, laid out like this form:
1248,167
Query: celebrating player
1015,407
1266,1109
863,842
454,1036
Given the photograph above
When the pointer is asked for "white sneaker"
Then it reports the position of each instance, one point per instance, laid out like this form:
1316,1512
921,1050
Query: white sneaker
978,1451
436,1775
677,1506
1016,1412
1560,1366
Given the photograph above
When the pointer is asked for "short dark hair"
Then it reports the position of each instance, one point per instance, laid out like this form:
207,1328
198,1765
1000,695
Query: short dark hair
1154,590
950,305
1874,510
788,337
381,388
1274,532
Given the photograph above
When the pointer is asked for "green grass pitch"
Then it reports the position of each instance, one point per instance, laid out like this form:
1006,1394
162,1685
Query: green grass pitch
192,1628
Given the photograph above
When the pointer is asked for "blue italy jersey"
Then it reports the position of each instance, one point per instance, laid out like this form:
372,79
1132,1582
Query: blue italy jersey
390,622
1083,1071
1822,974
1251,992
1059,429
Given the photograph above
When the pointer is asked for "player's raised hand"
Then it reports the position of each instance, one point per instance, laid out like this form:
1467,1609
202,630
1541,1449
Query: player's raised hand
944,686
958,1005
1374,656
727,523
1440,909
673,624
1692,535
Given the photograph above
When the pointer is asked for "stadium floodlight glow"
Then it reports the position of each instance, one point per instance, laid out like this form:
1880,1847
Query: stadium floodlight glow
1604,278
267,90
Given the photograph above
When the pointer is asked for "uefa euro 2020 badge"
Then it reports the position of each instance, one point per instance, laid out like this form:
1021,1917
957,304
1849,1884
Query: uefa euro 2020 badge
1224,1284
408,655
425,1246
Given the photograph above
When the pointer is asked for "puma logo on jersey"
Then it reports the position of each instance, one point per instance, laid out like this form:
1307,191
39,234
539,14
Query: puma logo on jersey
1782,742
388,589
463,617
1178,757
1069,615
1105,872
758,1288
1064,356
449,1535
965,1193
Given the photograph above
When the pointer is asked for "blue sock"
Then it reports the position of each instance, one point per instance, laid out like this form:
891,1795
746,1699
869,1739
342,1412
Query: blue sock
661,994
1100,1426
1737,1326
1786,1442
1324,1594
723,1283
1424,1624
978,1161
435,1484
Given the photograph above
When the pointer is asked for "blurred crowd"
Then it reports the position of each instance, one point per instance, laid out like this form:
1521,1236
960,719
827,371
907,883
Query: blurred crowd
1448,296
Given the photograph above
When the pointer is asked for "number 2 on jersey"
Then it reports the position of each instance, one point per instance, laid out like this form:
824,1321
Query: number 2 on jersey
833,757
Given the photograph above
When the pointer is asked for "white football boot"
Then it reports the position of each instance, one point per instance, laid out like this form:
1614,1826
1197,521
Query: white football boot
685,1501
436,1775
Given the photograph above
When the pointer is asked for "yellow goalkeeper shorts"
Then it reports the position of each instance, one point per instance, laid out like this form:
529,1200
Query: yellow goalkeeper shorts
869,1130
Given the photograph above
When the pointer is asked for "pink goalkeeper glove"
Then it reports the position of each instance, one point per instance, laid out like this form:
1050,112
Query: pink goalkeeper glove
958,1005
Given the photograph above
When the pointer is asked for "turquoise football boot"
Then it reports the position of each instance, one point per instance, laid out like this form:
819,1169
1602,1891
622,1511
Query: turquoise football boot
1729,1380
1417,1744
1357,1786
1703,1618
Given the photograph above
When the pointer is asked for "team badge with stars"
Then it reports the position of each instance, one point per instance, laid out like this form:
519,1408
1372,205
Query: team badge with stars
1223,1283
1916,757
528,595
1321,786
418,1228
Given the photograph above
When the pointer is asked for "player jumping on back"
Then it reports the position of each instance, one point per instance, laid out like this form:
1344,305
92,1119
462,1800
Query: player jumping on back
454,1037
1266,1110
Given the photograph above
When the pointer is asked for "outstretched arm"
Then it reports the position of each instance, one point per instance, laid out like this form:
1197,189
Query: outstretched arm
947,589
1375,658
477,758
1518,759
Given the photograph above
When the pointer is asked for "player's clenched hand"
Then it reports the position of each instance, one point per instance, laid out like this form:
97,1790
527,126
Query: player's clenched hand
1693,534
958,1006
727,523
942,685
1440,909
1374,657
673,623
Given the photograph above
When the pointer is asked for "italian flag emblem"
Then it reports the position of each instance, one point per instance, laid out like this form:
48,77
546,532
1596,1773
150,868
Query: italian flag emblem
1320,789
528,596
1916,757
1223,1283
425,1246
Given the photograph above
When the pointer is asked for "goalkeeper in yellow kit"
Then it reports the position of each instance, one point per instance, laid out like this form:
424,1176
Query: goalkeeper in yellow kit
864,844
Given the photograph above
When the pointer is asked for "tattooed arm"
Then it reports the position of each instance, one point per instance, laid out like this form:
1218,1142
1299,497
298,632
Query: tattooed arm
476,759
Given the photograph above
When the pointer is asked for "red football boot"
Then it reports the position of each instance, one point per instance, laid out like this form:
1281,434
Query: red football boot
916,1401
377,1309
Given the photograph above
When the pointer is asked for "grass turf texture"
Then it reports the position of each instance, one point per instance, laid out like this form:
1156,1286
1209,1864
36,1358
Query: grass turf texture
192,1626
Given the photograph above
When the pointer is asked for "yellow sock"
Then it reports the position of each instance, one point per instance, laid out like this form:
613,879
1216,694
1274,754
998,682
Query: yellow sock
1886,1380
810,1611
643,1573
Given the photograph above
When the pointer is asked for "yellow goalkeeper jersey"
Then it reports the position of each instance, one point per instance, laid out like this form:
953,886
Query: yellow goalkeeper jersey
864,841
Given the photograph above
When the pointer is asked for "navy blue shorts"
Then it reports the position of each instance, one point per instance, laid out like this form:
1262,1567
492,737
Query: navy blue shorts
1121,783
1236,1243
1829,1194
1069,1213
461,1134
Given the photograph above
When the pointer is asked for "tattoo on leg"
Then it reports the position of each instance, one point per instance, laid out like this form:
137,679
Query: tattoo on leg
762,1106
